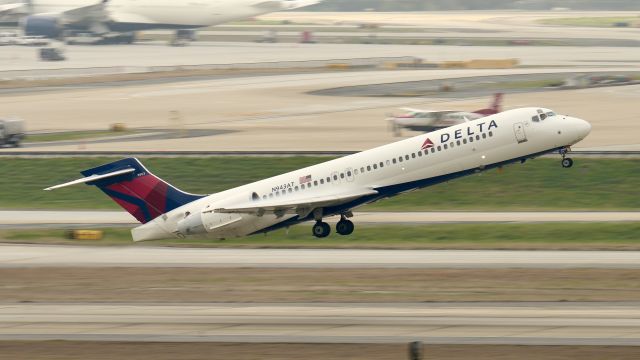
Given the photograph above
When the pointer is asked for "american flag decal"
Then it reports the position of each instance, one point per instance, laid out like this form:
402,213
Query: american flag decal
305,179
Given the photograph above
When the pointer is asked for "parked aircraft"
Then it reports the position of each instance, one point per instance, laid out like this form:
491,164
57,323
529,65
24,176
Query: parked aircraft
119,19
430,120
336,187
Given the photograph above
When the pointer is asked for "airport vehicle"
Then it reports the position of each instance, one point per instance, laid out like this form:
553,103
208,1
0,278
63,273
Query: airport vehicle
119,19
11,132
52,54
430,120
336,187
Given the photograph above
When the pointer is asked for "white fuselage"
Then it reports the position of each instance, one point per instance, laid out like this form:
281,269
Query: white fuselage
180,13
390,169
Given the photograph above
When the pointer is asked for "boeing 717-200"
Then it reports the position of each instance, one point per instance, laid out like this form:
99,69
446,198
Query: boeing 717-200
336,187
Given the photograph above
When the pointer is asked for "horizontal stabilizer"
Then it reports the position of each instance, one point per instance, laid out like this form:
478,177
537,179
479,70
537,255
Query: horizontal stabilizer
93,177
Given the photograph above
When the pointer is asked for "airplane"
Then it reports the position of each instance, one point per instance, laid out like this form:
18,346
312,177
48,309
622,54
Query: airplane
430,120
119,19
336,187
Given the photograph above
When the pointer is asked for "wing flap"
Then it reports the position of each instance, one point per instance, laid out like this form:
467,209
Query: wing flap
297,206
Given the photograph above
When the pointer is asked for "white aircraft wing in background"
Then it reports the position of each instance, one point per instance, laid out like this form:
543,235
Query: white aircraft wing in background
6,9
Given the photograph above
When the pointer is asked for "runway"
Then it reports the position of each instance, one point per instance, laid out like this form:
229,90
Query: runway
18,256
26,218
434,323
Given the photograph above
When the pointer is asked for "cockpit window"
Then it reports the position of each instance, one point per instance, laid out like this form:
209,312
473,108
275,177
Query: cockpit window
535,119
550,114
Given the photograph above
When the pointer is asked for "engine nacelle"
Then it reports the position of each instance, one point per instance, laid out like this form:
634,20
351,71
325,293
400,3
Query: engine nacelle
192,224
42,25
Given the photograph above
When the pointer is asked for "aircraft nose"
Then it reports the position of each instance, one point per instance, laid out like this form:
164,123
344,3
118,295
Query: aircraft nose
583,128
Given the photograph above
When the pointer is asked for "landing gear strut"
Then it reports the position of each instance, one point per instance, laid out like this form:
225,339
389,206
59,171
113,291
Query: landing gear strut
566,161
344,226
321,229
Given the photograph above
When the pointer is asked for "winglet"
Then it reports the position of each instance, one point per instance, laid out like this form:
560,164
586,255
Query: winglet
93,177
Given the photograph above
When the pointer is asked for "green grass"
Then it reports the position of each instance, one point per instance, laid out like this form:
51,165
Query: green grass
76,135
540,184
591,21
465,236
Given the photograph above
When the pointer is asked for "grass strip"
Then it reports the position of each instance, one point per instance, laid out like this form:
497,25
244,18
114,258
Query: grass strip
540,184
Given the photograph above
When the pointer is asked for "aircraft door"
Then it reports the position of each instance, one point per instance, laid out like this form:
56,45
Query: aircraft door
518,129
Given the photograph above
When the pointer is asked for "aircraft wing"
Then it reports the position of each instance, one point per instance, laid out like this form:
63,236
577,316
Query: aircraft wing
91,14
300,206
10,8
284,4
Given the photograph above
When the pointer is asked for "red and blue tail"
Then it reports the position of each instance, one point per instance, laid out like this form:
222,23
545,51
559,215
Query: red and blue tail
142,194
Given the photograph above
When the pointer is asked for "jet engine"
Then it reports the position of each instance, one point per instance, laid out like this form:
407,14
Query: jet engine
42,25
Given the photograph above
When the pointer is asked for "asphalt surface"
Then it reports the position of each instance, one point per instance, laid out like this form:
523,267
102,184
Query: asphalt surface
26,218
17,256
435,323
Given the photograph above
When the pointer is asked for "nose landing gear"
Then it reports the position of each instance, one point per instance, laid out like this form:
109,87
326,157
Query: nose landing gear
566,161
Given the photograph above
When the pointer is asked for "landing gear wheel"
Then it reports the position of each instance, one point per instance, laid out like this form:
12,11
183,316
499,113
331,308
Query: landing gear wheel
567,163
321,229
344,227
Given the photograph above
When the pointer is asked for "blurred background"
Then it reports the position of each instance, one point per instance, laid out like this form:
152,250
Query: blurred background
529,262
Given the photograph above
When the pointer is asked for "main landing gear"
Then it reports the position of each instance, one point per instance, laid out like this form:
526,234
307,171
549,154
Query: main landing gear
322,229
566,161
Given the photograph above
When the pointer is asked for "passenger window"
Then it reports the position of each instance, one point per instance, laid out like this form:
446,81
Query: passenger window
471,139
302,186
290,190
490,133
458,143
315,183
271,195
362,169
355,172
400,159
297,188
394,160
451,144
375,166
478,137
433,150
464,141
406,157
264,197
335,177
321,181
381,164
368,167
484,135
439,148
388,162
328,179
413,155
445,146
349,173
341,175
419,153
